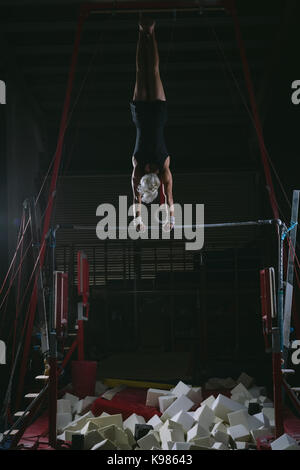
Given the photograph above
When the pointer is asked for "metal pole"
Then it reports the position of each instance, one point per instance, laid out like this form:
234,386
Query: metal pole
150,7
193,226
53,350
277,382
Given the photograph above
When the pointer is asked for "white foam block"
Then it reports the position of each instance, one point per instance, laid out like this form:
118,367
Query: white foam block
91,439
130,437
205,416
155,422
72,399
104,421
285,442
181,389
165,401
241,445
116,435
196,432
195,394
148,441
219,446
240,399
83,404
153,394
88,427
104,445
182,403
80,421
132,420
64,406
239,417
183,418
240,389
208,401
219,433
203,441
270,414
239,433
181,446
259,433
171,435
223,405
246,380
263,418
62,420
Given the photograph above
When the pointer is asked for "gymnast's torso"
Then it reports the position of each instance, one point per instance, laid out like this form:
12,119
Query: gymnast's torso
150,118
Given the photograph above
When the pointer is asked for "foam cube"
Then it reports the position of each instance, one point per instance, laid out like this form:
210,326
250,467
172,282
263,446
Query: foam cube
240,389
285,442
91,439
223,405
153,394
260,433
115,434
182,403
246,380
219,433
72,399
209,401
239,417
263,418
205,416
148,441
165,401
181,446
155,422
104,421
132,420
219,446
64,406
239,433
88,427
196,432
181,389
106,444
195,394
79,422
141,430
130,437
172,435
183,418
203,441
239,398
62,420
83,404
241,445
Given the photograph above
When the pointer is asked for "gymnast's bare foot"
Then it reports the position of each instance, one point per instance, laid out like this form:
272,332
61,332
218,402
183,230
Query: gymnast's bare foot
146,24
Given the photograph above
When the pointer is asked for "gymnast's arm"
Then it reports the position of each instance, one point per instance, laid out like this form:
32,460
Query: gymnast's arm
167,180
135,180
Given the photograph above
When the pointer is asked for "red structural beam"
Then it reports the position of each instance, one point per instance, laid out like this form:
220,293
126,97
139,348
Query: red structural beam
52,191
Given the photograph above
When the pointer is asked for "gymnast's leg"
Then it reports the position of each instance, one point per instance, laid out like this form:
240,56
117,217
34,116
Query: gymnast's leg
140,89
155,86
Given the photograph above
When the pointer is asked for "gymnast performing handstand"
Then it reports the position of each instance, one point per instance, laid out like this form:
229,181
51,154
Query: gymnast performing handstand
151,161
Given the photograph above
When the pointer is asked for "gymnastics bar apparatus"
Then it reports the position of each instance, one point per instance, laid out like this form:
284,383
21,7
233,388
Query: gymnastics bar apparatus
127,7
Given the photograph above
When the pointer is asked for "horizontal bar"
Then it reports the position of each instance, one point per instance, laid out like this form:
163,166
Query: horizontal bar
163,6
193,226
